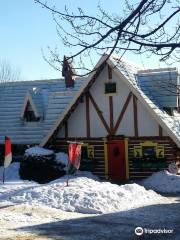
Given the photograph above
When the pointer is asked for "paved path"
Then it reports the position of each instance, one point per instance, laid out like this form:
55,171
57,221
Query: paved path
115,226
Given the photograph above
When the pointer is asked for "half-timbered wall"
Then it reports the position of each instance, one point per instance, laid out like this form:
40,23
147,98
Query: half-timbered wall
119,114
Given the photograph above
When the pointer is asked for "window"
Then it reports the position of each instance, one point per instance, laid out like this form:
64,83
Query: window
110,87
87,158
29,115
149,151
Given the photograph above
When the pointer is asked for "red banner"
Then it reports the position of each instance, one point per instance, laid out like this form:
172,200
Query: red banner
8,153
75,154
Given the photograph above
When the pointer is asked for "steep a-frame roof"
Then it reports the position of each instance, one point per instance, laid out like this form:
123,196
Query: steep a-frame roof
171,124
127,73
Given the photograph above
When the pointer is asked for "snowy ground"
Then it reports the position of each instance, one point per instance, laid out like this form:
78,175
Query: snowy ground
87,209
164,182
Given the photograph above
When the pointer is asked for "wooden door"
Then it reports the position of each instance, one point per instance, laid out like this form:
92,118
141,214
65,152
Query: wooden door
116,160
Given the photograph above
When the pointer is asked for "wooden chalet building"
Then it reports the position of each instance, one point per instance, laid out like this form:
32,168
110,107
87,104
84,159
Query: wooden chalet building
127,119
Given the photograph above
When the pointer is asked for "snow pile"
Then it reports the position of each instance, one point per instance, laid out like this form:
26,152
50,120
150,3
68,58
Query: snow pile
11,172
163,181
38,151
62,157
85,195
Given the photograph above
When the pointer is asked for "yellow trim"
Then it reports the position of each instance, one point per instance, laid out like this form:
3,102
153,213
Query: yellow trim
90,150
105,158
160,151
158,148
149,144
126,157
137,151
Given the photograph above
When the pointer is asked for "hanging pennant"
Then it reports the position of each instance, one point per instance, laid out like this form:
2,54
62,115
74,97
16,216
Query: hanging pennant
75,155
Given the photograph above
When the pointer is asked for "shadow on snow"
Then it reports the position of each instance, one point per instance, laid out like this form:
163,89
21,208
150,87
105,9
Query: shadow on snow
114,226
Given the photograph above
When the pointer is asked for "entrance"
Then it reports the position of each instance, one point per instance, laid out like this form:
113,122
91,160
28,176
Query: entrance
116,160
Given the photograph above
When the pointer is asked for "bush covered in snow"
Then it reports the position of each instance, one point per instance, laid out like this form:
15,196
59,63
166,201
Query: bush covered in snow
40,165
62,158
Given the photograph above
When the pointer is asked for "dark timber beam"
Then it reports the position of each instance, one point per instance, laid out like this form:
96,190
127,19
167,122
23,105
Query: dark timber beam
122,113
136,134
99,113
66,129
160,131
88,132
111,119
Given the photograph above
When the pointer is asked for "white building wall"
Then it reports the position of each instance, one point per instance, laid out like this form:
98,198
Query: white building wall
120,98
97,127
164,133
147,126
127,124
77,121
97,92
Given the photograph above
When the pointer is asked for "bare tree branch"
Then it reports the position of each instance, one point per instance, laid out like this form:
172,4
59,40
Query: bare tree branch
135,31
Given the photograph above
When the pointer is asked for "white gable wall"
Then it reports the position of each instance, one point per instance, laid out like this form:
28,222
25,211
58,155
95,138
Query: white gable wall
97,92
127,124
77,121
164,133
147,126
97,127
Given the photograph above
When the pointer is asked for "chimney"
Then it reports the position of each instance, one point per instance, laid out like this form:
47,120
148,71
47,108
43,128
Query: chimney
67,73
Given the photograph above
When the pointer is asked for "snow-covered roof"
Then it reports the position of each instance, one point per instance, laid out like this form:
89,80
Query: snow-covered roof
53,102
50,97
127,71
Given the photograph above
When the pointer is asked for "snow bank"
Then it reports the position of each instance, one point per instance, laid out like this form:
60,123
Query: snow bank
11,172
85,195
38,151
163,181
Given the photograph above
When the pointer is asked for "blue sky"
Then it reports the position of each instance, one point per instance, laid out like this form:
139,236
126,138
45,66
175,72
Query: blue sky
26,28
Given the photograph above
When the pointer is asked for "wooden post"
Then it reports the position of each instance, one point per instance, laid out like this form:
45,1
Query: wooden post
105,157
67,180
3,175
87,117
126,157
160,131
135,116
111,120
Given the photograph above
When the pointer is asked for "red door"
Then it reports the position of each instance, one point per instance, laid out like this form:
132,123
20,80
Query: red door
116,160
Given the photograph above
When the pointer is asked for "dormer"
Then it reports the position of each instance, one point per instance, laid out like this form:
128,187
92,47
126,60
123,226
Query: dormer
29,111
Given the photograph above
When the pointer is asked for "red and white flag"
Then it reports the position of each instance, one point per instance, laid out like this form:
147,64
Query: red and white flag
8,153
75,154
